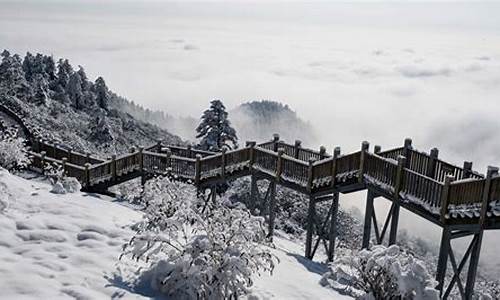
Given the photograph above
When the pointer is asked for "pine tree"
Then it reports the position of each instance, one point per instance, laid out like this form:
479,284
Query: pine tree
215,130
74,90
102,93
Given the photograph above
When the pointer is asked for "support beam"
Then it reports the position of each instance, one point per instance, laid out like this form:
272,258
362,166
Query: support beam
444,248
254,193
332,236
272,209
396,206
310,226
368,219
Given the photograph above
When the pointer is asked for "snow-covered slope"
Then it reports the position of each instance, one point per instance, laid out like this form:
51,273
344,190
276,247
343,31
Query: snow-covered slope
58,246
67,246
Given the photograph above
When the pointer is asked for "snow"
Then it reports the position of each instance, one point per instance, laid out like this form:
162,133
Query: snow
295,277
59,246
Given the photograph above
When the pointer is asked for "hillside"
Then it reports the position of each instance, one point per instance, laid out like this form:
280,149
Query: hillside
258,120
70,108
56,246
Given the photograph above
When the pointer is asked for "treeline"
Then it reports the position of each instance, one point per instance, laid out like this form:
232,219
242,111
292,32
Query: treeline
39,79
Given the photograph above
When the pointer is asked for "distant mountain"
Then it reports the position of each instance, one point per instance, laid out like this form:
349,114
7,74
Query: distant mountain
70,108
258,120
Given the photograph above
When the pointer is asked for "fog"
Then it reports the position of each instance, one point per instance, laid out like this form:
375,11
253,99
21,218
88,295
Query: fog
357,71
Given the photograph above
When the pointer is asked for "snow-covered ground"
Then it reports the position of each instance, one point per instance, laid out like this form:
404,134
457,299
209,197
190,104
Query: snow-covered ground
67,246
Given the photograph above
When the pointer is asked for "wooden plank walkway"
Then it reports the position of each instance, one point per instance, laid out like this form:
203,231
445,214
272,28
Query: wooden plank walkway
461,201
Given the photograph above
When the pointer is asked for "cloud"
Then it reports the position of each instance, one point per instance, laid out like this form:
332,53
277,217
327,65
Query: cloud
413,71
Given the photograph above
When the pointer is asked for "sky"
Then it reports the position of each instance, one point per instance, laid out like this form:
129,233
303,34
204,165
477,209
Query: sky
378,71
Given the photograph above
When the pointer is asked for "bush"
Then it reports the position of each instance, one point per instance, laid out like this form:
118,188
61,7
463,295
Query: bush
381,273
197,250
13,154
61,184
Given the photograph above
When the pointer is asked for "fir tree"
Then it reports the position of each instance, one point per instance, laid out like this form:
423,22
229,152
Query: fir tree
102,93
215,130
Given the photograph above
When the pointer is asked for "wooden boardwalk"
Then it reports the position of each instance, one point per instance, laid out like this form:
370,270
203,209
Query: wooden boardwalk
458,199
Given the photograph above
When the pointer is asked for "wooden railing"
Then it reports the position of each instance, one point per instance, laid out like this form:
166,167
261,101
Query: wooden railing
266,160
187,152
348,163
392,153
380,171
466,192
294,170
422,190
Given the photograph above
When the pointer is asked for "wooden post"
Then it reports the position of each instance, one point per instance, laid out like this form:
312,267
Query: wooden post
253,193
197,170
368,219
276,139
42,161
490,174
407,152
189,151
310,175
467,169
444,249
223,162
397,188
140,157
476,251
272,209
87,155
158,146
364,148
431,166
279,164
296,149
64,161
113,167
444,197
168,154
322,151
251,153
377,149
333,227
310,226
336,154
70,152
87,175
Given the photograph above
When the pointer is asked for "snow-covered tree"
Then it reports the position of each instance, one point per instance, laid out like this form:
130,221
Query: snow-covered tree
215,130
13,154
197,250
74,90
102,93
381,273
12,77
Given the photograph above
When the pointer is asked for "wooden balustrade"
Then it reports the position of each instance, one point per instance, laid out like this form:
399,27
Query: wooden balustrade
381,171
127,163
294,170
100,173
236,160
466,192
266,160
155,162
182,166
348,163
421,189
392,153
322,172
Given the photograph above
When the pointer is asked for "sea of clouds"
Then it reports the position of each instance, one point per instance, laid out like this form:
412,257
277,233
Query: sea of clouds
357,71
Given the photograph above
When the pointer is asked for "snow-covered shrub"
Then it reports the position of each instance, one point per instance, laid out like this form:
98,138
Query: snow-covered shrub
13,154
198,250
381,273
61,184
